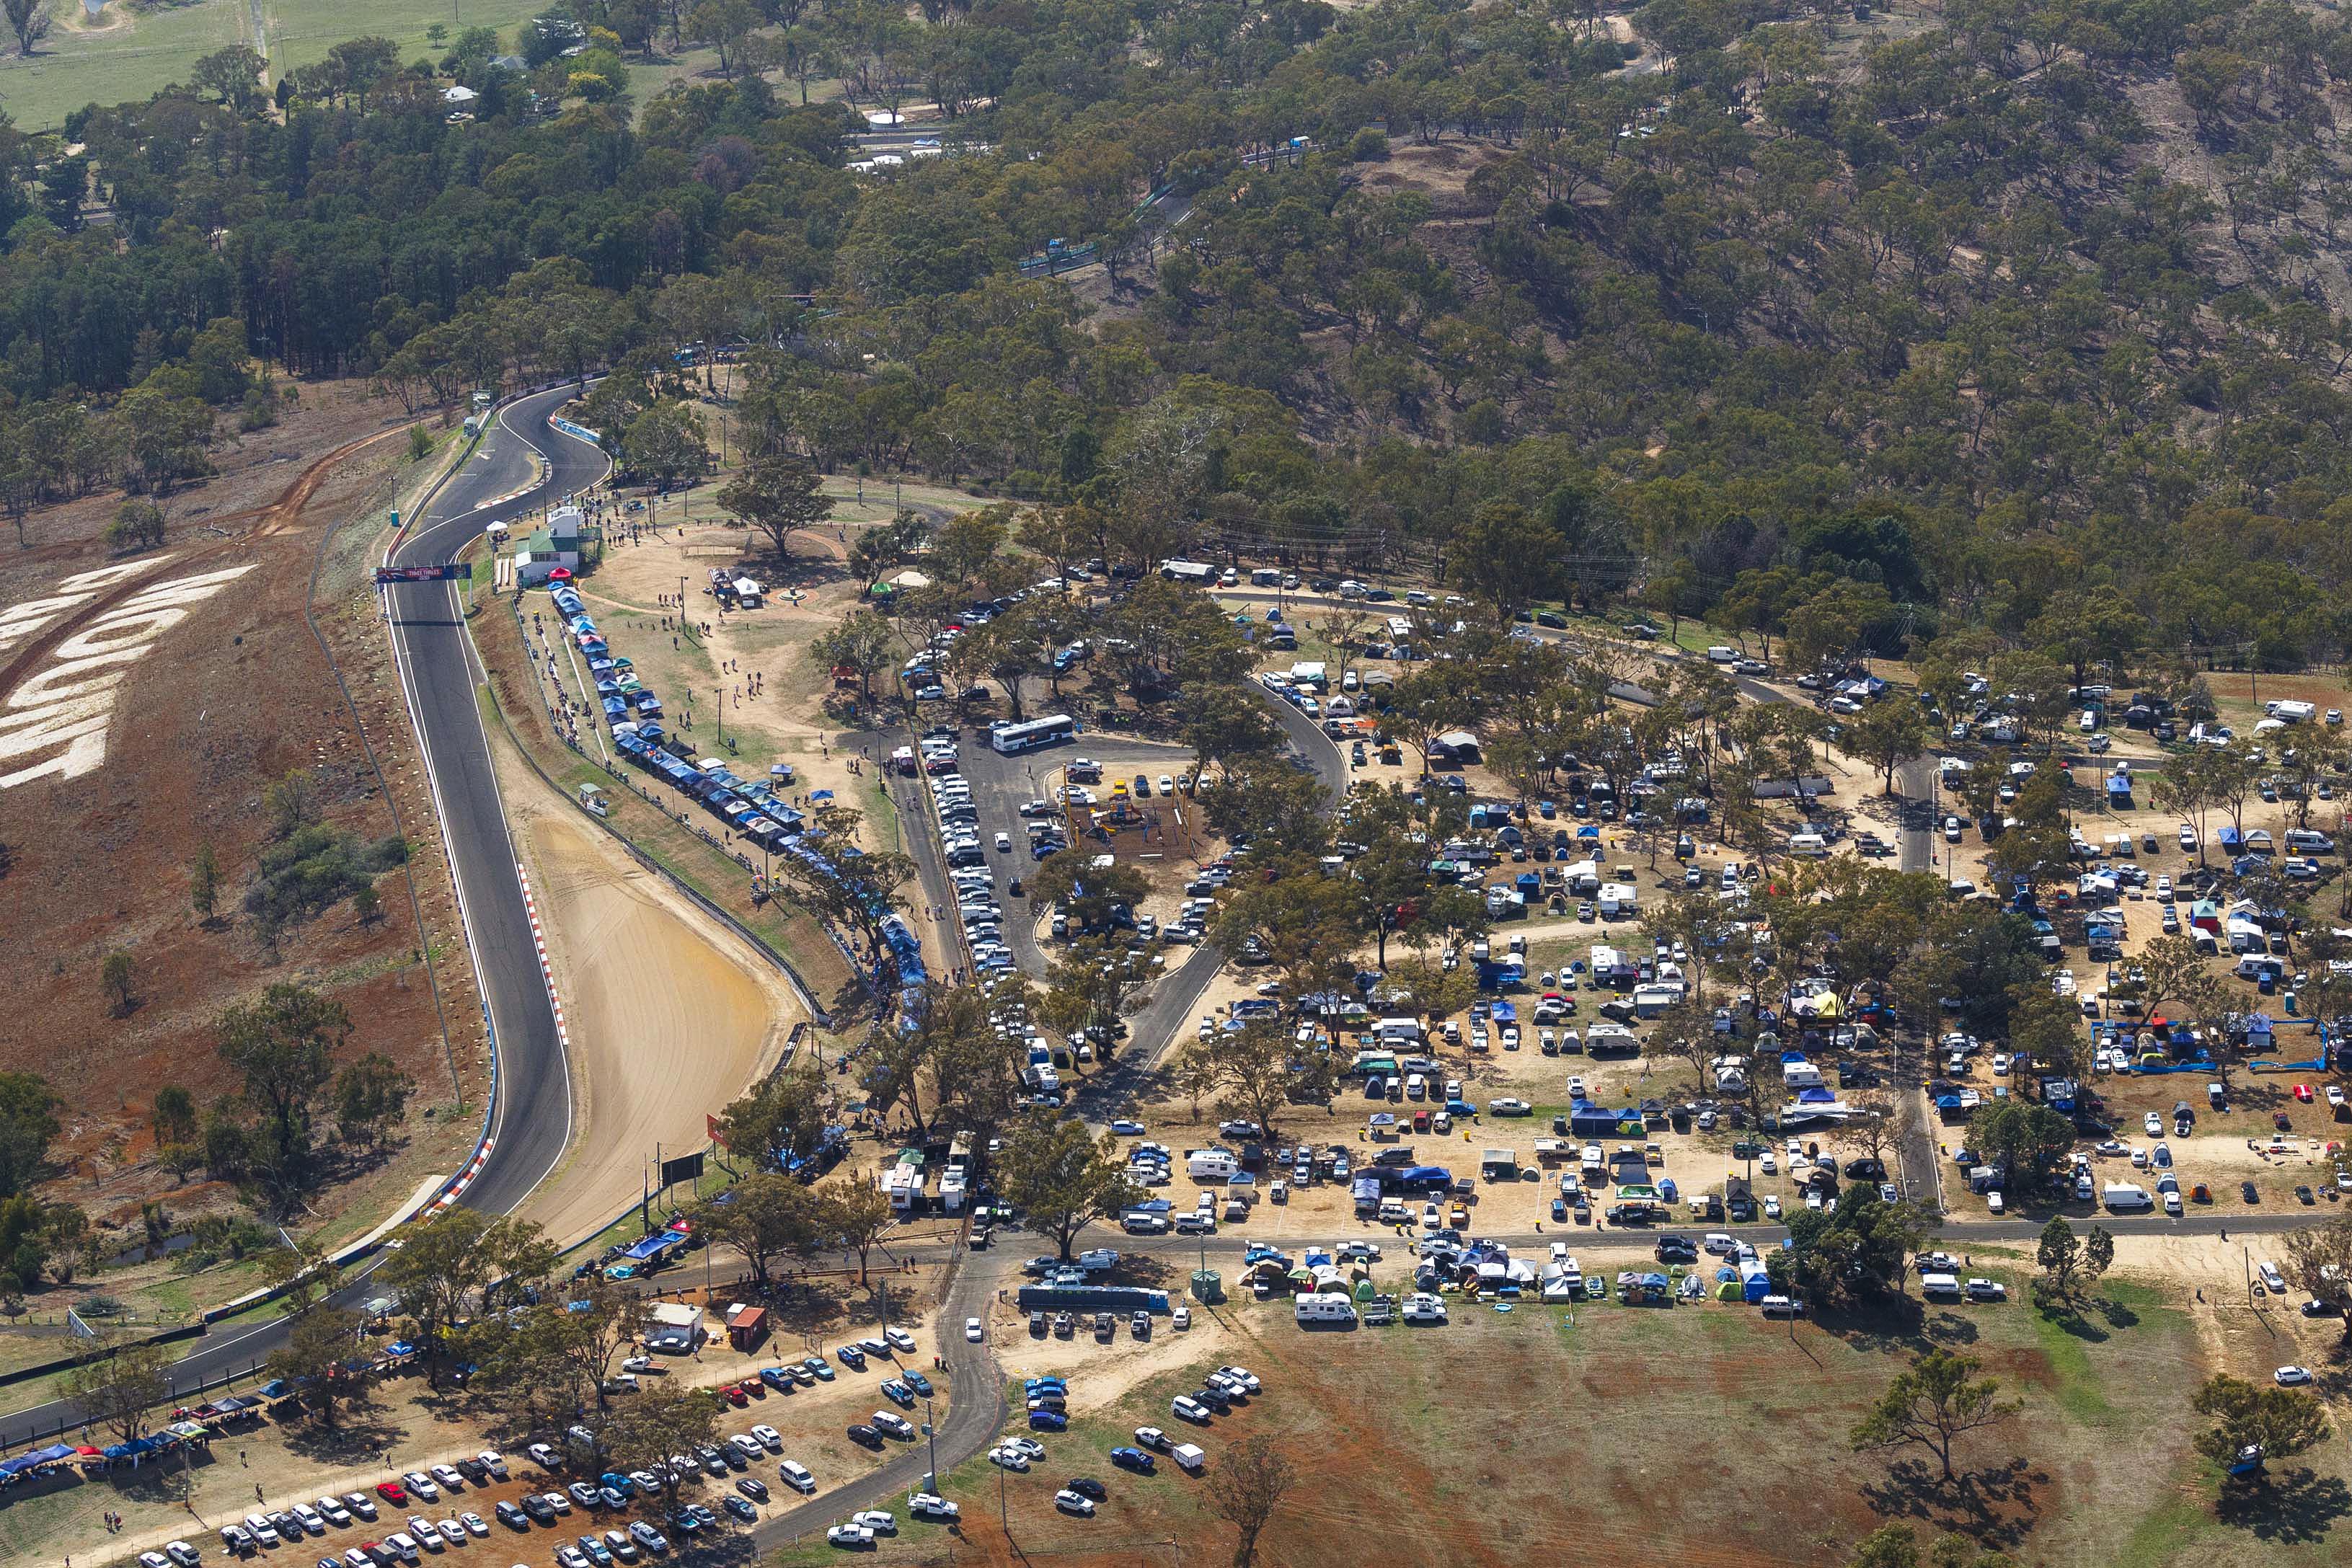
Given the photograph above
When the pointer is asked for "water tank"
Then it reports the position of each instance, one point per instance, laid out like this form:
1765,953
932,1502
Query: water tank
1208,1286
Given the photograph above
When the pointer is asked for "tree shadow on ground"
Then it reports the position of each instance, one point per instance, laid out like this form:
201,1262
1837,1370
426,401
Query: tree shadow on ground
2118,1315
359,1433
812,1307
1885,1323
1994,1505
2067,1317
2294,1508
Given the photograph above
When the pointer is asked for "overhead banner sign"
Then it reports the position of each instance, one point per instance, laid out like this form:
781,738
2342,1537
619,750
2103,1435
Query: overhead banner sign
456,570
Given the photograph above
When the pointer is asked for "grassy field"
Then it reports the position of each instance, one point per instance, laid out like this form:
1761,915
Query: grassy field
129,57
130,54
1697,1435
301,32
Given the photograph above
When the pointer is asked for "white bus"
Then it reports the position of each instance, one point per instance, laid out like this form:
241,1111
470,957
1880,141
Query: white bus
1011,739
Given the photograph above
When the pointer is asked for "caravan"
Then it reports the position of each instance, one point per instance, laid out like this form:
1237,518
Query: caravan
1210,1165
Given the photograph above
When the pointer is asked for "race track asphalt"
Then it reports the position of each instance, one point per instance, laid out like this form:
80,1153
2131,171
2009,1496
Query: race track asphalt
530,1121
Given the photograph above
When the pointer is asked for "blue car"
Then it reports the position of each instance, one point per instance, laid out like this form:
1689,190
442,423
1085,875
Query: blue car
1048,1421
918,1383
1134,1460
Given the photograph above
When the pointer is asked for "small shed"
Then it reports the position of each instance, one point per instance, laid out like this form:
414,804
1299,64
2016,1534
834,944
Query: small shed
747,1326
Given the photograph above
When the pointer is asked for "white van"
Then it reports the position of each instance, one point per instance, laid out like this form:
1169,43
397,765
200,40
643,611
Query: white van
1808,846
1265,577
1936,1286
1719,655
2123,1198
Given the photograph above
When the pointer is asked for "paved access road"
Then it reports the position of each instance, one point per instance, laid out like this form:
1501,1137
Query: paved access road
531,1116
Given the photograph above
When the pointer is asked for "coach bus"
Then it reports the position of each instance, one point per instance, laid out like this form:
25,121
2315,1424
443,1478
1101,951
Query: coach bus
1011,739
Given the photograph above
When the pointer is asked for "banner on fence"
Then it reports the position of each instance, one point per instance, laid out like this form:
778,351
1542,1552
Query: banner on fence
454,571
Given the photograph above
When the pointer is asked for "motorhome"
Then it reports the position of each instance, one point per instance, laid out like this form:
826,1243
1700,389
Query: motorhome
1321,1307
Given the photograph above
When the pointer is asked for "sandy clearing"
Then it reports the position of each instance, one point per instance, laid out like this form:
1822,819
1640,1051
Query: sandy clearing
667,1019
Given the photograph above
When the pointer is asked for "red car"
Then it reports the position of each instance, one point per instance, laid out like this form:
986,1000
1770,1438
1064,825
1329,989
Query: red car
2303,1093
734,1394
391,1492
2278,1120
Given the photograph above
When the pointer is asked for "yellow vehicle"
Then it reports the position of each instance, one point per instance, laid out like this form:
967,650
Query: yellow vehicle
1118,790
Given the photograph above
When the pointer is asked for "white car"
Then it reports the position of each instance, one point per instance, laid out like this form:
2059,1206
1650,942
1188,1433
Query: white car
1188,1408
1430,1219
2188,837
2154,1124
334,1512
1509,1106
878,1521
972,1331
1182,1318
1006,1458
900,1341
475,1523
1027,1448
1422,1308
853,1535
1773,1208
1004,843
448,1477
930,1505
1244,1377
1999,1063
796,1475
1069,1502
361,1504
421,1531
2293,1376
311,1519
770,1438
452,1531
417,1482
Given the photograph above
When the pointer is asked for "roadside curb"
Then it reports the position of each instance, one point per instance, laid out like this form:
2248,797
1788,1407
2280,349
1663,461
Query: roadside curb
546,968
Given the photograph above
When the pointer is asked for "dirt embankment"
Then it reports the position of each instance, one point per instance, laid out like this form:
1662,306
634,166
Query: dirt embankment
205,707
669,1021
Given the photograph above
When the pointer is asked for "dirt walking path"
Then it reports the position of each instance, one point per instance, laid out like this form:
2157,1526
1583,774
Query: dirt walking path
667,1019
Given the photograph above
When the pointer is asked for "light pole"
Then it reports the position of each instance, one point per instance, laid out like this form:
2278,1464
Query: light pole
931,1431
